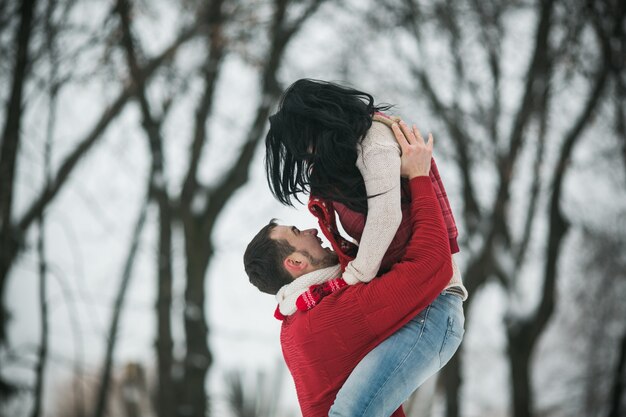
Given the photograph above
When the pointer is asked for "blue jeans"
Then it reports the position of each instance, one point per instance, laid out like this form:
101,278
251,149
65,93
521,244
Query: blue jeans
387,376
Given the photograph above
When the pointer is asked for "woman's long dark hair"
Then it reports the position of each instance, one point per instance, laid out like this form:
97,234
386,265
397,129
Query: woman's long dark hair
312,143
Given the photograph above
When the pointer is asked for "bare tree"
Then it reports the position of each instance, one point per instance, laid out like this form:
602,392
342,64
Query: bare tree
12,232
14,226
198,223
10,145
43,347
8,154
483,132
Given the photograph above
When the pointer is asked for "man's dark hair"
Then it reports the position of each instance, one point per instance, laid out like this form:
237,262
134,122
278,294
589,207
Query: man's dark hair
263,260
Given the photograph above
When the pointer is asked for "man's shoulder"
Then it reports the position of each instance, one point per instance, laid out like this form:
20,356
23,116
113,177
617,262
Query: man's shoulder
344,302
337,317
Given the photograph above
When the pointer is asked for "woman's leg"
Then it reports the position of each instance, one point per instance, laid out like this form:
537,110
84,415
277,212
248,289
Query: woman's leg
387,376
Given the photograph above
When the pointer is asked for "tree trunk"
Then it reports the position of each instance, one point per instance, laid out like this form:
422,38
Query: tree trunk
43,347
519,352
198,359
166,390
619,380
41,247
198,224
451,379
193,400
523,334
475,277
8,153
166,398
10,236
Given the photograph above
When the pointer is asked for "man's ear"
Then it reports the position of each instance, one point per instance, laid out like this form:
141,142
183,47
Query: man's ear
295,264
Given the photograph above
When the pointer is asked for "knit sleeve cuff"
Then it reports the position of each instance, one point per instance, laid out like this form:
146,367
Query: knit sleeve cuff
350,279
421,186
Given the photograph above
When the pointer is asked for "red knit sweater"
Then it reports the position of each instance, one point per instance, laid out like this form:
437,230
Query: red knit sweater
323,345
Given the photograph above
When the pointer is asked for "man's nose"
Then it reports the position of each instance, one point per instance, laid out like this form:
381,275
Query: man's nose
311,232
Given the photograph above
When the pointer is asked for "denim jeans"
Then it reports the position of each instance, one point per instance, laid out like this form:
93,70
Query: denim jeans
387,376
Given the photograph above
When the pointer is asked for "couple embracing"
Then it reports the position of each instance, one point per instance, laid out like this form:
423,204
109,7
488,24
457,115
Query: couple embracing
362,326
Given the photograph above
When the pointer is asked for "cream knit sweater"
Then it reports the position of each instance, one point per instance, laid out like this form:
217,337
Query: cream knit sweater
378,161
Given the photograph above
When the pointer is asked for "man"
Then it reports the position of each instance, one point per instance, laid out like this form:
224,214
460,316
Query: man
325,345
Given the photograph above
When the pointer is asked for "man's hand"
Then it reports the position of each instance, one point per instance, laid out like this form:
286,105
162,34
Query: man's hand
416,154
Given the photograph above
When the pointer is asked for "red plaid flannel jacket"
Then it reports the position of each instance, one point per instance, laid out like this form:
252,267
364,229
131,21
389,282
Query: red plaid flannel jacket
354,222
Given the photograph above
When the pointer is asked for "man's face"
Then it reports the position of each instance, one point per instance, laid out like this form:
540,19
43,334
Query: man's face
308,244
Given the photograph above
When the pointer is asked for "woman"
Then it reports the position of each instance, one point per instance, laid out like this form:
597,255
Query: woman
333,142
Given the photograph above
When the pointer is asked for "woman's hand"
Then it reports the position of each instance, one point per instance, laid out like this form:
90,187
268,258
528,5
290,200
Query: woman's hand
416,154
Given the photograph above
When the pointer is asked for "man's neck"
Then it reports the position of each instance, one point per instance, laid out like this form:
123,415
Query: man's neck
326,274
288,294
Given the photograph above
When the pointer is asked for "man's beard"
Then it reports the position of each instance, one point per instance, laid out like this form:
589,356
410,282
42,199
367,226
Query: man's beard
330,259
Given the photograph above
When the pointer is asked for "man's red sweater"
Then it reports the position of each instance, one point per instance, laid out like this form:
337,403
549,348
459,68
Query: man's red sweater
323,345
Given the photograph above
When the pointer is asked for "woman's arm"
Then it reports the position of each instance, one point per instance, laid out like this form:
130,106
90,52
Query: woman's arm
426,265
379,164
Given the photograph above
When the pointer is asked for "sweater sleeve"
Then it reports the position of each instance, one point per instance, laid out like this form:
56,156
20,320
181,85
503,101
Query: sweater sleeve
420,276
379,164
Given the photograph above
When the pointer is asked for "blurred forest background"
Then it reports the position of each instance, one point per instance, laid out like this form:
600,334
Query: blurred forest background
131,179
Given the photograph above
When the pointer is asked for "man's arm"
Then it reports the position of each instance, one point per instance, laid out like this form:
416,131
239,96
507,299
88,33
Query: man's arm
426,266
420,276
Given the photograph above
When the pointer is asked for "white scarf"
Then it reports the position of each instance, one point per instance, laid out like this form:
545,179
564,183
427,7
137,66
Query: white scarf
289,293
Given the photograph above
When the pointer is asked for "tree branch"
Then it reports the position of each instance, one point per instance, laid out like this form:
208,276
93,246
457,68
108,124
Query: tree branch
314,5
71,161
535,188
471,209
11,131
166,395
50,31
270,90
558,224
608,23
118,306
9,240
43,310
536,83
212,67
492,44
